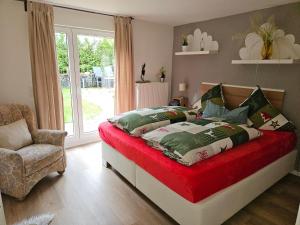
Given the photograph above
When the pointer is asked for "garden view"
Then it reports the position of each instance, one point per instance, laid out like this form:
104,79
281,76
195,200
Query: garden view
96,66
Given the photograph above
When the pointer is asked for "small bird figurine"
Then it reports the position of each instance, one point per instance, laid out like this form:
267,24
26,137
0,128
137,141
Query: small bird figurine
143,72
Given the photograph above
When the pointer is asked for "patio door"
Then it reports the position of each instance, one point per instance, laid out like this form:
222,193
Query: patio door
86,66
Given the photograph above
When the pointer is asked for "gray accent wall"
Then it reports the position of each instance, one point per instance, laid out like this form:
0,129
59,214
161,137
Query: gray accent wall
218,68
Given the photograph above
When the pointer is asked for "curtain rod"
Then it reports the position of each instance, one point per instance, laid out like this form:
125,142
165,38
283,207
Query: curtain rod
70,8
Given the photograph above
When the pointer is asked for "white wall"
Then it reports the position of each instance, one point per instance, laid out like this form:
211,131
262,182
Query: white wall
15,69
152,42
82,20
153,45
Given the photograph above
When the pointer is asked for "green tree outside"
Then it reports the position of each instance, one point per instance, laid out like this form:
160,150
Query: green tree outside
91,53
62,53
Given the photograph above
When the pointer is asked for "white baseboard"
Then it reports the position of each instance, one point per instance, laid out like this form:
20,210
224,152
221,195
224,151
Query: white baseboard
295,172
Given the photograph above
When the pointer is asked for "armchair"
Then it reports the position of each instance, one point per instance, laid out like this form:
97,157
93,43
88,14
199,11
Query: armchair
21,169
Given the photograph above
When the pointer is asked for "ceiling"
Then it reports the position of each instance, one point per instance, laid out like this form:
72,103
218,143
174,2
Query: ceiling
173,12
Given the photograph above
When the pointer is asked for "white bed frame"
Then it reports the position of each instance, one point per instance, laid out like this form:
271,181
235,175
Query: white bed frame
219,207
213,210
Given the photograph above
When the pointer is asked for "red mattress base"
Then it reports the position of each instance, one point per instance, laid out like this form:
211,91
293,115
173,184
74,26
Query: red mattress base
206,177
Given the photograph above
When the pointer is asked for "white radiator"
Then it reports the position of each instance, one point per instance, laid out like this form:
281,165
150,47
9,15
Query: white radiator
151,94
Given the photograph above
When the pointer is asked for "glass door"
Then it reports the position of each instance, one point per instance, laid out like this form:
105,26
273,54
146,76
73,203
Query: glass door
86,65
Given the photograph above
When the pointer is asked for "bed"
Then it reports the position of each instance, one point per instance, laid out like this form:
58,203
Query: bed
236,176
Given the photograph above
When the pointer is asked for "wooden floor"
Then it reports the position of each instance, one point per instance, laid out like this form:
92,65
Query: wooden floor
89,194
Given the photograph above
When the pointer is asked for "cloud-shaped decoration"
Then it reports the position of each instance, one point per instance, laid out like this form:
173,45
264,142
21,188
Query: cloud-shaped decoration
199,39
284,46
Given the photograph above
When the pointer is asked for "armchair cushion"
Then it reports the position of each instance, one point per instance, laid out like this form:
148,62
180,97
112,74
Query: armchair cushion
39,156
15,135
53,137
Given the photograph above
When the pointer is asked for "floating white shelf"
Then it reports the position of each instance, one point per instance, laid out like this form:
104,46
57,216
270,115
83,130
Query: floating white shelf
196,53
267,61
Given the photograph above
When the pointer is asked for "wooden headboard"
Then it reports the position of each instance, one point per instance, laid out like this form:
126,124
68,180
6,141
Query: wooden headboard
234,94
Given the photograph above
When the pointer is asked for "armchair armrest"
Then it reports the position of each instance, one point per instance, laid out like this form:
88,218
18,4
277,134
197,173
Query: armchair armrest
12,173
11,163
52,137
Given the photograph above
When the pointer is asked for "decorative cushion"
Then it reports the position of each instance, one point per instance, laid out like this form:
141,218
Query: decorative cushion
263,115
15,135
214,110
215,95
39,156
238,115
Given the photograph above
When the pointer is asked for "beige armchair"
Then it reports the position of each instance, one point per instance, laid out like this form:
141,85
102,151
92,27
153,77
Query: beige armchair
21,169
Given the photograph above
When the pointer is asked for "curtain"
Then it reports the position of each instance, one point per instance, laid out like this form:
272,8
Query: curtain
45,80
124,98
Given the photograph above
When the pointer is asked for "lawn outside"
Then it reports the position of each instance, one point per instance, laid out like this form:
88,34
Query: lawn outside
97,106
91,110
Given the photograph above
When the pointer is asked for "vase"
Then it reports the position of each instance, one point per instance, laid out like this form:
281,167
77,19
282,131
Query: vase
162,80
184,48
266,51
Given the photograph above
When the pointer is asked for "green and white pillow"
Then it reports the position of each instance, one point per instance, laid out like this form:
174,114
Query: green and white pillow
140,121
215,95
263,115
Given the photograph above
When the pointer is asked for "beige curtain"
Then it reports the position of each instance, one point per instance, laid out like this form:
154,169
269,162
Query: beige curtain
46,85
124,98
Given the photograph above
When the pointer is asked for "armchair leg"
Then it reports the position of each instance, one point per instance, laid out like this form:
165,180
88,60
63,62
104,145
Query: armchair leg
21,198
61,172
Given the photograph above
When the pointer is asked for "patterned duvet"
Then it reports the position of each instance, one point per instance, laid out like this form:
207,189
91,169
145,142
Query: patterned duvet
191,142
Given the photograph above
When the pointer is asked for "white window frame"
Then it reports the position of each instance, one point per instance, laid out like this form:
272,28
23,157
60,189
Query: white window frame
79,137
